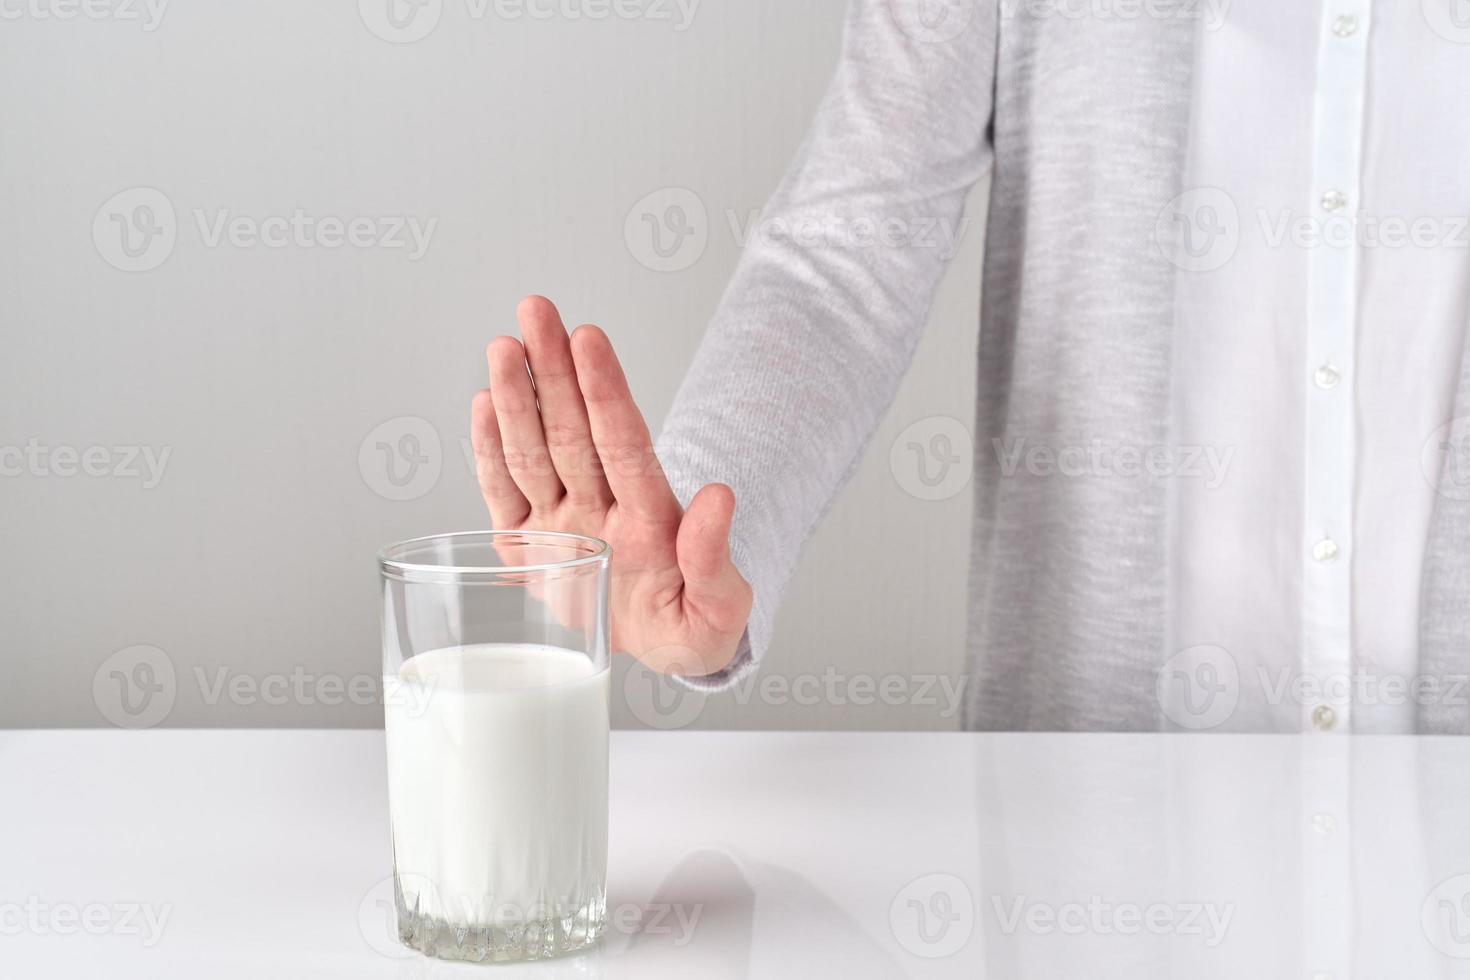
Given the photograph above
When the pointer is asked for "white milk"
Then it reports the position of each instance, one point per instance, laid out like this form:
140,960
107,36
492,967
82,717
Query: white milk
497,775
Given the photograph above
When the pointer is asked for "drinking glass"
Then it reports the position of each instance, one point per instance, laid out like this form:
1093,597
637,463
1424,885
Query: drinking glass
495,680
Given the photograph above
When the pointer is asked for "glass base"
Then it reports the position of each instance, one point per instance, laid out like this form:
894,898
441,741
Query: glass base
538,940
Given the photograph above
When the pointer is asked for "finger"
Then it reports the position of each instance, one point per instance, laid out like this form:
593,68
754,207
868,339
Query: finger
521,439
563,412
508,506
618,431
712,583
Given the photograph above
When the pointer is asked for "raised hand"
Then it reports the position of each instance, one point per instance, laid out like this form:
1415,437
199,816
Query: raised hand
560,445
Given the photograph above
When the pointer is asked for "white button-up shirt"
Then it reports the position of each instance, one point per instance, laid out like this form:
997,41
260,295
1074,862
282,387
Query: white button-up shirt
1320,347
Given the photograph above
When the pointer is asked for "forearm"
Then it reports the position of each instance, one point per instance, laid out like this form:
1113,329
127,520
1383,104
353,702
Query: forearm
822,316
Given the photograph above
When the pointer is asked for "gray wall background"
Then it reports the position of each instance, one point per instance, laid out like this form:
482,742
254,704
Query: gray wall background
270,373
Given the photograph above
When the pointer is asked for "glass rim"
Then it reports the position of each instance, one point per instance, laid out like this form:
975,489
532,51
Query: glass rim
599,554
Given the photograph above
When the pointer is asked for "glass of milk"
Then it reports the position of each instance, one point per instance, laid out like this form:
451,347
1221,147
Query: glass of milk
495,684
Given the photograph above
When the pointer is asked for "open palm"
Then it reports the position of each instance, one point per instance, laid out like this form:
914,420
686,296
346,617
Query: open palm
560,445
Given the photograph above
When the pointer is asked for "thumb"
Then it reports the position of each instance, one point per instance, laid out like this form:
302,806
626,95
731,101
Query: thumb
711,580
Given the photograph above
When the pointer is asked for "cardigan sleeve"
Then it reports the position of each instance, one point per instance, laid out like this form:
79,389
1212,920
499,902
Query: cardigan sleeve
834,285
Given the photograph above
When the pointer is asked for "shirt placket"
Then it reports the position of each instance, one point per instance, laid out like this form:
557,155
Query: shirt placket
1330,457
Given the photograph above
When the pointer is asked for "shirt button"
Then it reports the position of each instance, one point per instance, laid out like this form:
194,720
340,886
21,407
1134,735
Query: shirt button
1323,717
1324,823
1334,200
1326,377
1325,550
1345,26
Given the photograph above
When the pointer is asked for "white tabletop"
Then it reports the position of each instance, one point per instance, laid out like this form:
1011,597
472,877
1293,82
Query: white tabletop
226,854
